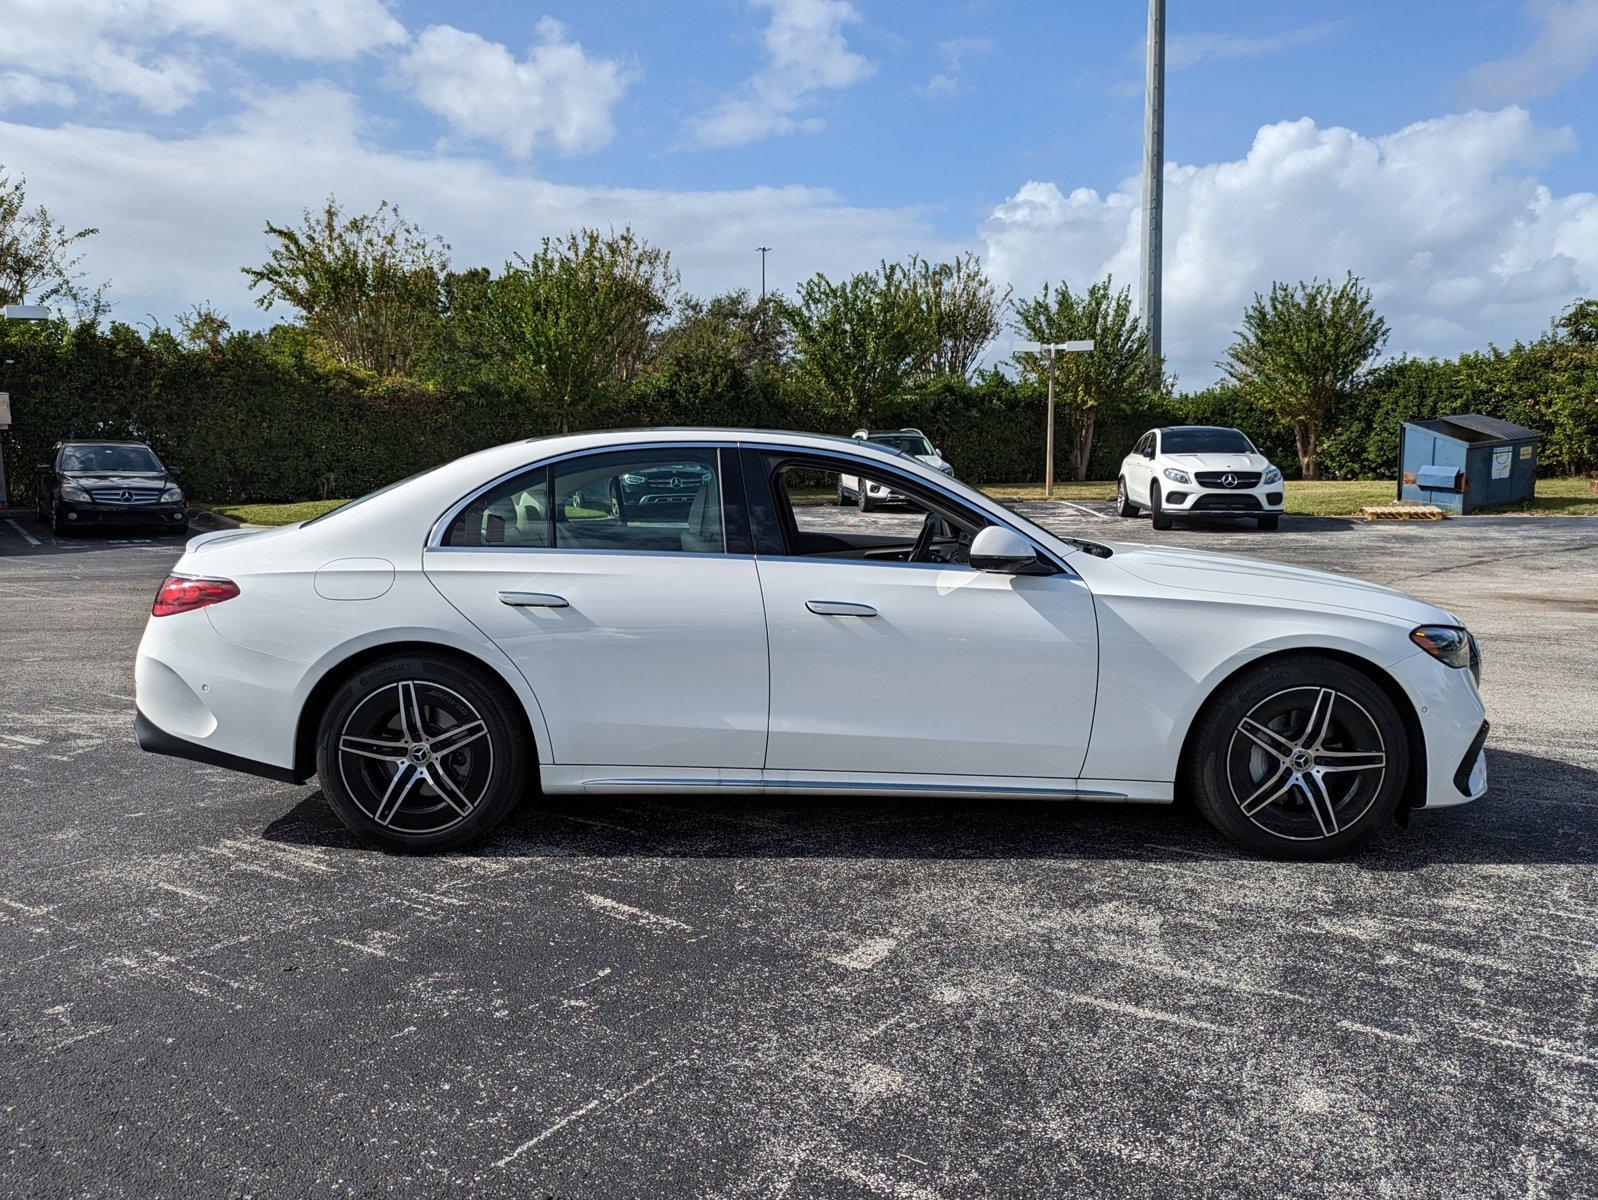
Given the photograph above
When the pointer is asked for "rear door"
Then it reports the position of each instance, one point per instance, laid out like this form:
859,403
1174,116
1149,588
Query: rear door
623,588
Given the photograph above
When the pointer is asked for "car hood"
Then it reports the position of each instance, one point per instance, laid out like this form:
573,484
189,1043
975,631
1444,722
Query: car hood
933,461
1253,578
117,479
1218,462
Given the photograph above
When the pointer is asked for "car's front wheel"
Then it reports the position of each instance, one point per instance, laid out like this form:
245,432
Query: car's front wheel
422,752
1157,513
1270,522
1123,503
1300,758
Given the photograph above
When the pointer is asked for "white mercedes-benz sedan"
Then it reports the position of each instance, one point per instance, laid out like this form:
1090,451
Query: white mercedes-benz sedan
1206,469
686,610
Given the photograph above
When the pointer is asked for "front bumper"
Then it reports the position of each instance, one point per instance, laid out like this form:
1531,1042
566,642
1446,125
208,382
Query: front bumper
1264,500
86,513
1453,723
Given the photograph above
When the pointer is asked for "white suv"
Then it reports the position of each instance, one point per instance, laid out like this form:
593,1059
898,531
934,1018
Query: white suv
911,442
1198,469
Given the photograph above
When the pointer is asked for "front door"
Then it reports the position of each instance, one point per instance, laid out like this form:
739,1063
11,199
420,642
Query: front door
607,578
889,654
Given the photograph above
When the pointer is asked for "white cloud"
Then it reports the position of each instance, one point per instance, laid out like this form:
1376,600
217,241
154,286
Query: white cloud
152,51
806,53
1563,49
18,89
180,215
1190,49
955,54
556,93
1444,219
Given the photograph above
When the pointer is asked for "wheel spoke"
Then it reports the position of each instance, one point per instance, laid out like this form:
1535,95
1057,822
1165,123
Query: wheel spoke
1267,739
1350,760
1320,719
1320,803
373,748
410,712
446,789
398,788
1274,788
456,737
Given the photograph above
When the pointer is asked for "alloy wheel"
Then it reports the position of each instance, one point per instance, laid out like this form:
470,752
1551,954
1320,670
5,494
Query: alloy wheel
1306,763
416,756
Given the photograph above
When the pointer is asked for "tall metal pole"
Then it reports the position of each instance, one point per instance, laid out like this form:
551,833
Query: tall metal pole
1154,177
1048,463
762,250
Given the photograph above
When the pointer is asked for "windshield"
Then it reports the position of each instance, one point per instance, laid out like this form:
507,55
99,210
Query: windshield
904,443
1204,440
96,460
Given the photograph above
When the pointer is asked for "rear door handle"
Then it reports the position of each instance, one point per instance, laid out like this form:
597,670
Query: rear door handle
839,608
533,600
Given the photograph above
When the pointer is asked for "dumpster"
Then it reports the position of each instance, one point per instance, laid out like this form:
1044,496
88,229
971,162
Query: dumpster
1467,461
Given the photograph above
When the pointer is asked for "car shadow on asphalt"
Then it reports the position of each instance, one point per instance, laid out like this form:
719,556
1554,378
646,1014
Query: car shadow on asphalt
1543,812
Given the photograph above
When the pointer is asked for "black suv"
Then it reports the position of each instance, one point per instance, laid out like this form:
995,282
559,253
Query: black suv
108,483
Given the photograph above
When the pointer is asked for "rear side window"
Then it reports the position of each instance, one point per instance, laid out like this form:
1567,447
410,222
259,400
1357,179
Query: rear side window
514,514
659,499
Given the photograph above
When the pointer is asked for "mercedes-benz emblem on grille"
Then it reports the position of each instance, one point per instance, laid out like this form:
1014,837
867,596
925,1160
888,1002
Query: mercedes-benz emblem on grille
1228,480
125,496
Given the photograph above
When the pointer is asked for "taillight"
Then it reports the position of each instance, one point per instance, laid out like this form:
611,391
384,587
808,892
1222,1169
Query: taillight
181,594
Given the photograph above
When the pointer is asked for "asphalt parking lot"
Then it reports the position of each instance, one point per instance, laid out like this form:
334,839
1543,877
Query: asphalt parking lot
210,989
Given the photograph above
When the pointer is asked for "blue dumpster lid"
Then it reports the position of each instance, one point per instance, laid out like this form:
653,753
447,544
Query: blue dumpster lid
1487,429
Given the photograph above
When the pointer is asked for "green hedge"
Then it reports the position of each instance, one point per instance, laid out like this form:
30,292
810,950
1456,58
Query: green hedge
258,418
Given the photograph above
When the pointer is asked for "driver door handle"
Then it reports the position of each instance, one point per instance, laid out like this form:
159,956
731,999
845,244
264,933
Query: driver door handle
532,600
839,608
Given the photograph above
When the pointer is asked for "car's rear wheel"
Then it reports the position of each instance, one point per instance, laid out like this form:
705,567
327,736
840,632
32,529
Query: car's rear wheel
842,499
1301,758
1156,512
864,500
1270,522
1123,503
422,752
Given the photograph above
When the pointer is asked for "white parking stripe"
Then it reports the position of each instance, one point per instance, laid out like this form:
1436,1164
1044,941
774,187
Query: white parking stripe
23,533
1090,512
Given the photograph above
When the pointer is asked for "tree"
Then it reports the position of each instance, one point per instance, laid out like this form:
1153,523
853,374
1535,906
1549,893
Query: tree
1303,351
749,332
1102,381
37,264
578,317
963,307
202,327
858,342
366,286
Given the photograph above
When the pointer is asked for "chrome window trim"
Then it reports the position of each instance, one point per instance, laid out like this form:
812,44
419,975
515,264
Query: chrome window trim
435,534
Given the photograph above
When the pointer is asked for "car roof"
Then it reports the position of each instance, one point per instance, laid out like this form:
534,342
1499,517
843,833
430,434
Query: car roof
102,442
1204,428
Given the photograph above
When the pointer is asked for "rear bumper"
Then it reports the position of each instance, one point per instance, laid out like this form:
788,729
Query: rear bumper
156,740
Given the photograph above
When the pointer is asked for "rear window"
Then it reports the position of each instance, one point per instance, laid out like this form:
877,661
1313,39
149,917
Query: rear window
1204,441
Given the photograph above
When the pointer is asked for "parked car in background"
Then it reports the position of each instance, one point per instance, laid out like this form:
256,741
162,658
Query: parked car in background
1206,469
501,624
911,442
102,483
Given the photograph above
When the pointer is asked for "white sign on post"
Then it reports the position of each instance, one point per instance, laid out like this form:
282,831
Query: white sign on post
5,410
1501,460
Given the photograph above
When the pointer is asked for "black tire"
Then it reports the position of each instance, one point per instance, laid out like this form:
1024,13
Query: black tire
1327,795
1156,513
1123,503
489,770
58,527
863,500
842,499
1270,522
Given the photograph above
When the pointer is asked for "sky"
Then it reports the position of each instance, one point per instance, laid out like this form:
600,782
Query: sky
1438,150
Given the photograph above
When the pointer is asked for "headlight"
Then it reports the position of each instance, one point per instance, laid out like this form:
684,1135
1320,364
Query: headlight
632,480
71,491
172,494
946,469
1272,475
1445,643
1176,476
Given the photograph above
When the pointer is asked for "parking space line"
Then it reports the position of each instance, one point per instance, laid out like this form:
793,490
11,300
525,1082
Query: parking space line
1083,508
23,533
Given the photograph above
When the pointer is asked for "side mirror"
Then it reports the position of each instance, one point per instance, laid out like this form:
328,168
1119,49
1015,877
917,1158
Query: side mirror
1005,552
42,469
174,472
1149,453
936,453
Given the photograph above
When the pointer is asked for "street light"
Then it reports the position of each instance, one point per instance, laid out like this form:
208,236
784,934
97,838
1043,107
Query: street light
764,250
14,312
1050,348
